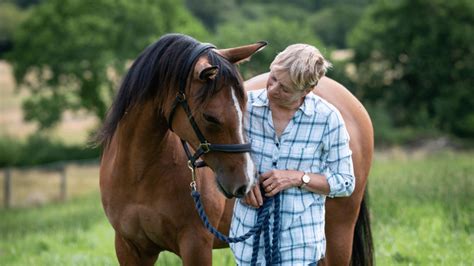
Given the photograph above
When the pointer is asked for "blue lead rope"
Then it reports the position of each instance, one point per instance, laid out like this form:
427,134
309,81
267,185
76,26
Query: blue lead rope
262,224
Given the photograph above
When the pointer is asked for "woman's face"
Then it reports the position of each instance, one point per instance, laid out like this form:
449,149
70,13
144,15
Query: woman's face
279,89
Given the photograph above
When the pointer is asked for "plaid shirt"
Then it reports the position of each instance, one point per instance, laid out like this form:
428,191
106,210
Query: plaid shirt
315,141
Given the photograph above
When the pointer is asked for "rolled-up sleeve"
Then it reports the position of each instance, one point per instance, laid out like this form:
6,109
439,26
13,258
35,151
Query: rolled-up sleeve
339,169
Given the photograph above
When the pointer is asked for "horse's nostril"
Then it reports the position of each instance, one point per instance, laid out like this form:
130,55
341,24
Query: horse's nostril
240,192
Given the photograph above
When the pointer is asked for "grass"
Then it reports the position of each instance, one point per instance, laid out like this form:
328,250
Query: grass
422,214
423,209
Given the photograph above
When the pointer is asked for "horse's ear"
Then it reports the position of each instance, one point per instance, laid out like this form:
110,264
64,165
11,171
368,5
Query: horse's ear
208,73
204,71
243,53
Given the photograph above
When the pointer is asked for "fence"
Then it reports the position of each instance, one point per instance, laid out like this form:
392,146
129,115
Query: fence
57,170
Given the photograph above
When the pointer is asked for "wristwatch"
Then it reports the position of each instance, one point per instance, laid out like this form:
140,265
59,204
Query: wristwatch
305,178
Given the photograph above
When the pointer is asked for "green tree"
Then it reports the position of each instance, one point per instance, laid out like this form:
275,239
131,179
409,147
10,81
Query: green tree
70,54
211,12
417,56
332,24
10,18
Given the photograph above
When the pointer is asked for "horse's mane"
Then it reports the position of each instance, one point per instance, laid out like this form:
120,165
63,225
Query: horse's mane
156,73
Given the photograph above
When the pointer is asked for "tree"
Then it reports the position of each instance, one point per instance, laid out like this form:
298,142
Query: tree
211,12
69,54
417,57
10,18
332,24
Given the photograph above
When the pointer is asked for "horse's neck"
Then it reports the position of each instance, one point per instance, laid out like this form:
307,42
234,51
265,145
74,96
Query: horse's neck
143,139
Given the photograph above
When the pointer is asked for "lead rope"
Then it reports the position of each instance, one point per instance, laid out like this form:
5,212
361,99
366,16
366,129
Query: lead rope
263,222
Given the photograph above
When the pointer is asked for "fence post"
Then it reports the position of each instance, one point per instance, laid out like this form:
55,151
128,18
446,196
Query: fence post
7,188
63,183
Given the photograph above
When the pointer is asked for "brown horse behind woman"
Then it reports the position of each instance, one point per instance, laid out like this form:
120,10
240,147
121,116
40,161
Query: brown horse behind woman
175,86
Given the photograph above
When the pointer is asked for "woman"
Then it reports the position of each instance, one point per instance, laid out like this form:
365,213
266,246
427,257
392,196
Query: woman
301,148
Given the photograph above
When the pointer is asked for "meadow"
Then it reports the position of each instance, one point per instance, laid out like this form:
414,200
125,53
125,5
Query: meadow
421,205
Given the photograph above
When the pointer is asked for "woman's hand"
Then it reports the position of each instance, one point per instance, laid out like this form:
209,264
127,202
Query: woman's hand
254,197
275,181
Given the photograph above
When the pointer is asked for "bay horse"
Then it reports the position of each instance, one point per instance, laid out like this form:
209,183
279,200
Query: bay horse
177,92
348,231
144,179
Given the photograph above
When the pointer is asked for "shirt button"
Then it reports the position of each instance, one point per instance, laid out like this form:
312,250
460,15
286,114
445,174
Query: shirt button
277,144
274,163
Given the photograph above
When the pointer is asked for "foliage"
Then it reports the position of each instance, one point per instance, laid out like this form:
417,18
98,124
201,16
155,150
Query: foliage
211,12
332,24
25,3
418,58
10,18
39,149
421,209
248,31
70,54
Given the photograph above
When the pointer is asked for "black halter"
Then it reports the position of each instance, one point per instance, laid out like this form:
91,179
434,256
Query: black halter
204,146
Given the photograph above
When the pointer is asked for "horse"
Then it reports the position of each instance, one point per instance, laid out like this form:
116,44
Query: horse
174,89
177,92
348,231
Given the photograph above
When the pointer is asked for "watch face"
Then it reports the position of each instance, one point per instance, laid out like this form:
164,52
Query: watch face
306,178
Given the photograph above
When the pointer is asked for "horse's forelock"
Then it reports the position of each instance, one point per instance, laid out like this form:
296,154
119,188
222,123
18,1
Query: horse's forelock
227,76
154,75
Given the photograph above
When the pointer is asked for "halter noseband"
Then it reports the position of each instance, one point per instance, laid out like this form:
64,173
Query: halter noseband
204,146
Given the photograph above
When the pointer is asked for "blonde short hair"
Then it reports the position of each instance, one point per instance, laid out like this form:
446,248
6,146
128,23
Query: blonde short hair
305,65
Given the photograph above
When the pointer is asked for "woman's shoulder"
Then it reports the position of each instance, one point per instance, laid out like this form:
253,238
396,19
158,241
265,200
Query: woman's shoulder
323,107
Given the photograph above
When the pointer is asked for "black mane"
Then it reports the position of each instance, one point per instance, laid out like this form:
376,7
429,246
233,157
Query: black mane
156,73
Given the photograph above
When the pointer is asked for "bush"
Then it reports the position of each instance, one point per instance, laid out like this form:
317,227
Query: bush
38,149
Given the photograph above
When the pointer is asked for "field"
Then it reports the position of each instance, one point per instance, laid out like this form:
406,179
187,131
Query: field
73,128
422,208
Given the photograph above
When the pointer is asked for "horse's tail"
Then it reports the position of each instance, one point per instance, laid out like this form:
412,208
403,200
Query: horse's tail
363,247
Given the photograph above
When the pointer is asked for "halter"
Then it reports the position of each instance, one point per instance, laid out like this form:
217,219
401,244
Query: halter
204,146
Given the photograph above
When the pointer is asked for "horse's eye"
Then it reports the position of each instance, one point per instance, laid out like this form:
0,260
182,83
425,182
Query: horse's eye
212,119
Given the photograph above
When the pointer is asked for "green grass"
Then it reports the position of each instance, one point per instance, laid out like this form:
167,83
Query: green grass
423,210
422,214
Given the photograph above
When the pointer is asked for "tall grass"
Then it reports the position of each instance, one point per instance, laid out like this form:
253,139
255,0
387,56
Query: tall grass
423,209
422,213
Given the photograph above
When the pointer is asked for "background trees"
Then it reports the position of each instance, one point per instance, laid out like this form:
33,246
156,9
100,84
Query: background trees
70,54
416,57
412,64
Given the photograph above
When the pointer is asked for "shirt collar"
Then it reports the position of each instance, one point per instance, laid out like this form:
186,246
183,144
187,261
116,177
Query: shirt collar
261,99
308,105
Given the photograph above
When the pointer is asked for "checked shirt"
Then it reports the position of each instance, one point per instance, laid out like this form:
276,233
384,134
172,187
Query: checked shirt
315,141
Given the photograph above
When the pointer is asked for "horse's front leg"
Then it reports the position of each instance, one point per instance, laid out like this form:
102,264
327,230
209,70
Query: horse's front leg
130,254
195,247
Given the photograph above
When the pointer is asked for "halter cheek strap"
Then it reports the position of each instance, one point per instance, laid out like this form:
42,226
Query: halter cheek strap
204,146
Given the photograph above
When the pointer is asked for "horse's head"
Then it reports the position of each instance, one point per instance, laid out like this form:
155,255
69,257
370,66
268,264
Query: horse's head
210,108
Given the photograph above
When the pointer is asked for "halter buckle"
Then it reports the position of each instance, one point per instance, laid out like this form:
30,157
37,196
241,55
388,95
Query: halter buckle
205,146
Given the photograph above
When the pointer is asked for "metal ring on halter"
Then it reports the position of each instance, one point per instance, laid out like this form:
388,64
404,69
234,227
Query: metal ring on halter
205,146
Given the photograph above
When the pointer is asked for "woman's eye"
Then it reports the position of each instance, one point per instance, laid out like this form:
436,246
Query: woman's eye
283,89
212,119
